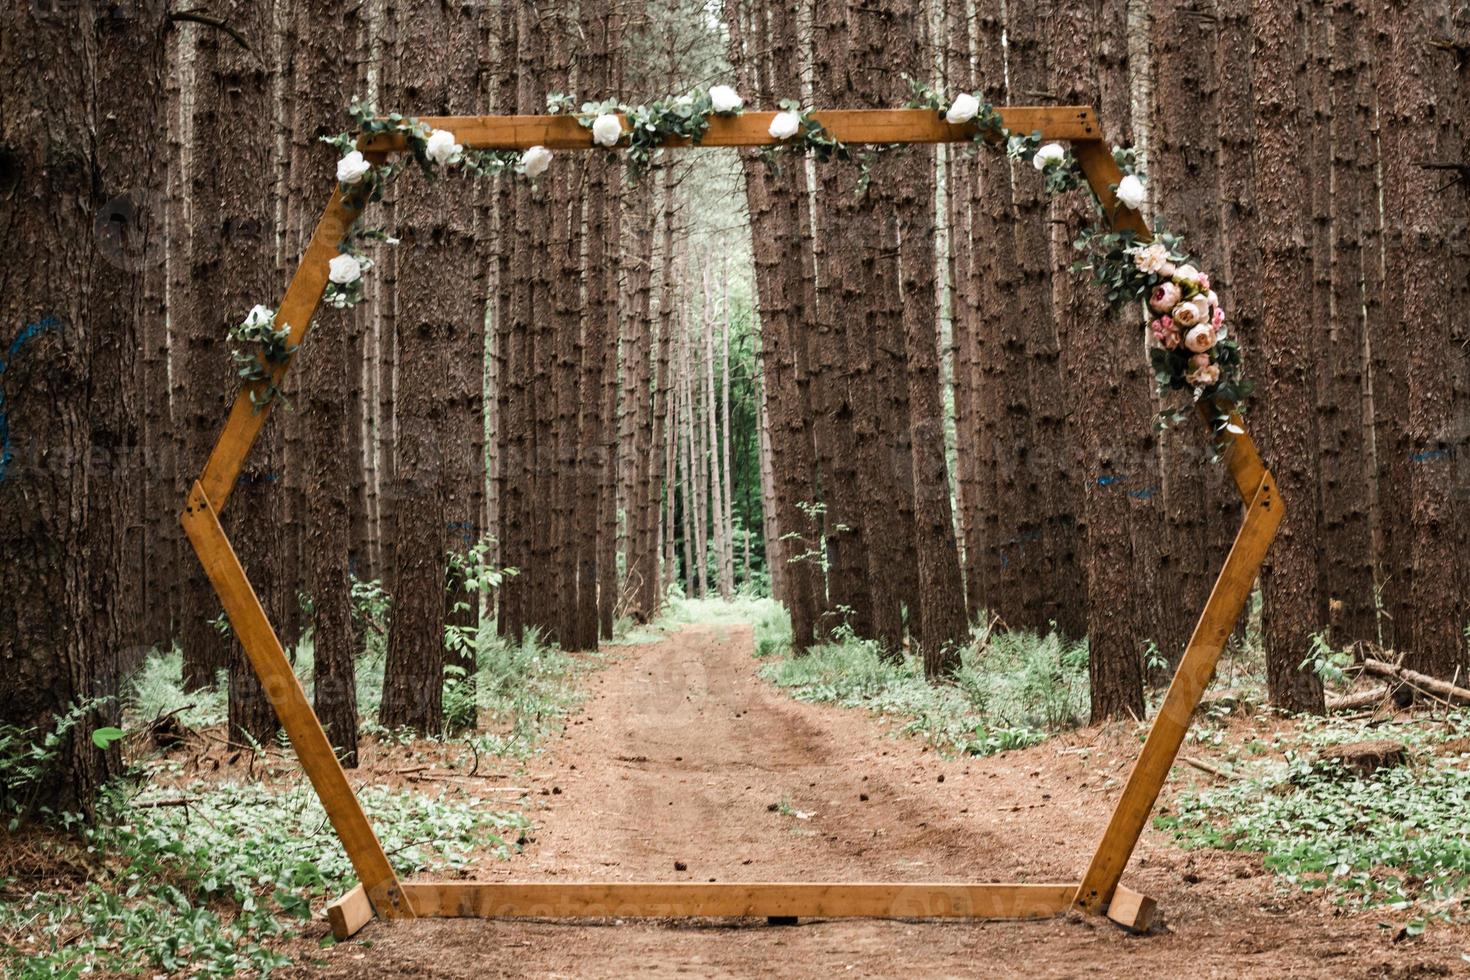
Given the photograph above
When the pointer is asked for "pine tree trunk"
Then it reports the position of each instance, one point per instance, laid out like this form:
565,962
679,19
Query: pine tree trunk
234,241
67,367
327,48
837,231
943,627
1113,386
435,306
775,208
1347,567
1287,432
1044,461
1417,98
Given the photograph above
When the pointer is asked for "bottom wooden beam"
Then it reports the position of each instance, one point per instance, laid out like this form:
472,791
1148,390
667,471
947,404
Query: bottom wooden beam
1132,910
350,913
567,900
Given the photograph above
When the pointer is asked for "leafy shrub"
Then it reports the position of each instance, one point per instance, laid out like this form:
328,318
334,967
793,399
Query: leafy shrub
203,888
28,757
1398,838
1007,694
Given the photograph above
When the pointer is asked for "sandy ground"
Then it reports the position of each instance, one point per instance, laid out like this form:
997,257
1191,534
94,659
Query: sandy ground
680,754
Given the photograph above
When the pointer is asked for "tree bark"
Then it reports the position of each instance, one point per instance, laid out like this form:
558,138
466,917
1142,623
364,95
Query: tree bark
1288,437
328,52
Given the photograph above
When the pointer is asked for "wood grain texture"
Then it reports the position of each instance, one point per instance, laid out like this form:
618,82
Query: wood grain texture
1132,910
350,913
314,752
752,128
303,296
562,900
1196,669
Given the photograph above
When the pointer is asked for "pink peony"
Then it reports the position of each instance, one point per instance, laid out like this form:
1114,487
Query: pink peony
1200,339
1206,375
1164,297
1166,335
1204,282
1218,320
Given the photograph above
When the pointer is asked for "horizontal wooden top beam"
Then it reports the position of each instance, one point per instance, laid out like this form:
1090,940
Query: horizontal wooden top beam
1073,123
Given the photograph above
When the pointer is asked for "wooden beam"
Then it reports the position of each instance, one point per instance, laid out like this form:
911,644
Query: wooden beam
253,630
350,913
1132,910
855,126
569,900
1196,669
298,307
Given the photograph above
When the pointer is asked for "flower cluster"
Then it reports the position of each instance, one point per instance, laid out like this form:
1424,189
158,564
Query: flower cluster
642,129
1190,346
258,345
800,134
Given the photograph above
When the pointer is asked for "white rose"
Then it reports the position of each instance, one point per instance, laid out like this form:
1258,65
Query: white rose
725,99
536,160
1186,275
442,149
352,168
785,125
1049,154
1200,339
260,316
607,129
1131,192
964,108
1151,259
344,269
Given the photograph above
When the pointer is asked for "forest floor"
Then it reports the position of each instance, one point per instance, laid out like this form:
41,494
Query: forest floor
683,753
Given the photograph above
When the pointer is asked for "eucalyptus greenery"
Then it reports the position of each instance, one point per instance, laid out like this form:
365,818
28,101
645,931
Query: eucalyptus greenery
811,139
258,346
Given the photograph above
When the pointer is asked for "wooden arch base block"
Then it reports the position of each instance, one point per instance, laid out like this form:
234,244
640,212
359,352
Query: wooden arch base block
381,893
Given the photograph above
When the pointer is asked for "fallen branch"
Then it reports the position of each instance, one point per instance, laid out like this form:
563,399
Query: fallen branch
173,801
1205,767
1430,685
1362,699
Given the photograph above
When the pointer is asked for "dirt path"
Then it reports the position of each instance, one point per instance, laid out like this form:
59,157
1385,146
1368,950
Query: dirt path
682,754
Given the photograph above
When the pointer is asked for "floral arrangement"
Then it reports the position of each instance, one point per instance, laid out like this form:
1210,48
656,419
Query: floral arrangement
1190,346
642,129
271,346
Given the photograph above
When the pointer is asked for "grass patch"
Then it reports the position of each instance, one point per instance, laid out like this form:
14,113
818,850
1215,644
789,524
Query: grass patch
1010,692
1398,838
205,888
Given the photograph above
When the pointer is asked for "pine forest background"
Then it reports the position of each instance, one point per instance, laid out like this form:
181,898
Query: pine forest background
896,408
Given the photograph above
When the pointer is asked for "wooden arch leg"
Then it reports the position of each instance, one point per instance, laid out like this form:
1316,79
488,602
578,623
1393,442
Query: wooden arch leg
314,751
1196,669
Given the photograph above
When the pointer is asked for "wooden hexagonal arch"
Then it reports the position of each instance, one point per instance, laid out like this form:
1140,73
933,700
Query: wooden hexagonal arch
381,893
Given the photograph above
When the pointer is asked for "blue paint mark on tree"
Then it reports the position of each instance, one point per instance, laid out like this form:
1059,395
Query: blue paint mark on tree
28,333
1428,456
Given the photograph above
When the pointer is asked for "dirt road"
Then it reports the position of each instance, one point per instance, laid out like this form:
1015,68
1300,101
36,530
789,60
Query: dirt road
685,766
